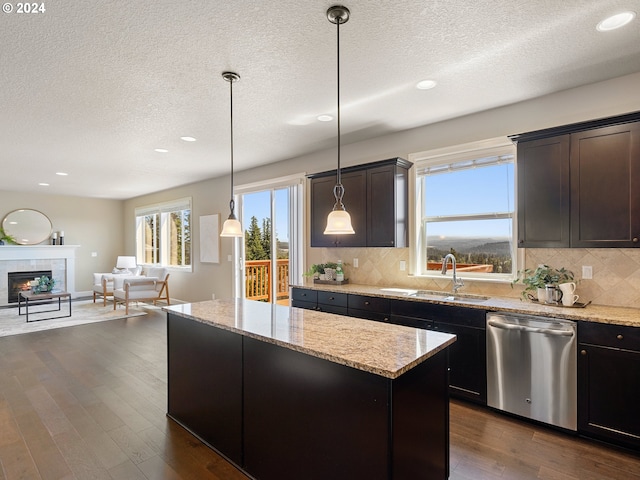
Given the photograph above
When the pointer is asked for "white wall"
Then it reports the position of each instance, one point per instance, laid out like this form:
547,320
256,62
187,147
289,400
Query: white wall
102,226
94,224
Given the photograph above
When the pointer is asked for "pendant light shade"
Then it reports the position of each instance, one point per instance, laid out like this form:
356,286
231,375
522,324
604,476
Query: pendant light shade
339,220
231,226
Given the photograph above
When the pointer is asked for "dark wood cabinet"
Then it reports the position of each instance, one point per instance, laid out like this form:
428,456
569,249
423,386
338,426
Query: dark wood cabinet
322,201
376,197
205,375
605,187
579,185
371,308
608,386
387,206
332,302
543,193
304,298
467,356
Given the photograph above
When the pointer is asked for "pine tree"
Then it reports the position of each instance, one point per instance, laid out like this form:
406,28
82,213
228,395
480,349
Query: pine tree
266,237
253,242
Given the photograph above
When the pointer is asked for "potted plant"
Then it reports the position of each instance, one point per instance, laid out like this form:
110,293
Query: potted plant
535,281
318,269
45,284
5,238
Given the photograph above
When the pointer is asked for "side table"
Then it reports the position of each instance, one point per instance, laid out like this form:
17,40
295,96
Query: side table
32,299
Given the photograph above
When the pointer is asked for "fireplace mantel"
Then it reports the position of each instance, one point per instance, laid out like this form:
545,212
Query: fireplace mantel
37,252
15,257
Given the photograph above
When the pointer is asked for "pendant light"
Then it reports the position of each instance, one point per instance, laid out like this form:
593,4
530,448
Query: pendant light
339,220
231,227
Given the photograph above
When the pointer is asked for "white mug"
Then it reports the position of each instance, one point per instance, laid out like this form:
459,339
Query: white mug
569,300
567,289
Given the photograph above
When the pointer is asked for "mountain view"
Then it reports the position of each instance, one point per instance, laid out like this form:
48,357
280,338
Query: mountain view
473,251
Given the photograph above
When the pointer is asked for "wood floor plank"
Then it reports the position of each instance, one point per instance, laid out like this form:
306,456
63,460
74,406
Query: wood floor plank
90,402
42,448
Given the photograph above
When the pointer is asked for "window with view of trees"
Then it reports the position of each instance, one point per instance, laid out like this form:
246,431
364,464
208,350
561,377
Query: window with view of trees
465,206
163,234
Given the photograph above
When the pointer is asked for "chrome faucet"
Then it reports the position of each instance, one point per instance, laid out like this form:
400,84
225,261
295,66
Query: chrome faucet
457,283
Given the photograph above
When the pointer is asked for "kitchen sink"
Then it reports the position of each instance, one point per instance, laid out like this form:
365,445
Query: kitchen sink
449,297
438,295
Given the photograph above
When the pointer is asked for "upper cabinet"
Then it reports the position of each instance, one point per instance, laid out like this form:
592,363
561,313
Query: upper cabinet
543,192
579,185
376,197
605,187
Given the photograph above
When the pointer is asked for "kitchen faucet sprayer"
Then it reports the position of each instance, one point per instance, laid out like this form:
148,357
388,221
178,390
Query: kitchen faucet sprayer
457,283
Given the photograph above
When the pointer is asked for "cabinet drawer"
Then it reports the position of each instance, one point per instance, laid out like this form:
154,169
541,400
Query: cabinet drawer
332,298
369,315
469,317
304,294
411,322
608,335
303,304
371,304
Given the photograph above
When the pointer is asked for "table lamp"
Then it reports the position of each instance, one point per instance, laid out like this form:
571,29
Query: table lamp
126,263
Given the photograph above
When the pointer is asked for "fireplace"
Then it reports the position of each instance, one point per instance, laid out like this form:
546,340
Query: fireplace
18,281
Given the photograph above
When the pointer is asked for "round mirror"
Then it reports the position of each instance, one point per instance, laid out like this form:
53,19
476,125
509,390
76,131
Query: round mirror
27,227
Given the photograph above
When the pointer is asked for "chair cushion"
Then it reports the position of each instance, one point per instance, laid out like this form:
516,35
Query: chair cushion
157,272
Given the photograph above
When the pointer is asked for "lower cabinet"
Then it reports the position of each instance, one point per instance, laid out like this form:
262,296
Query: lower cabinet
609,383
467,356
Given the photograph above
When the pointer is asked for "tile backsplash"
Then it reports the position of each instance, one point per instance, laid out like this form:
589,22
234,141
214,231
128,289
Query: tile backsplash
615,282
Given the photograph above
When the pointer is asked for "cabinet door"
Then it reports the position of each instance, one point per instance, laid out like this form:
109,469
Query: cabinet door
355,201
467,362
387,206
543,193
322,201
608,390
605,187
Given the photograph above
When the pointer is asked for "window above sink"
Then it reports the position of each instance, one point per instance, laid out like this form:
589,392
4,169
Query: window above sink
465,205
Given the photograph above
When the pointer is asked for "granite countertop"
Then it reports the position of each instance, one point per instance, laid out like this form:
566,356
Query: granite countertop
591,313
379,348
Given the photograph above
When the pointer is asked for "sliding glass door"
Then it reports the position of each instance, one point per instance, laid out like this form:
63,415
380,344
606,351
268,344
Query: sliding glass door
272,231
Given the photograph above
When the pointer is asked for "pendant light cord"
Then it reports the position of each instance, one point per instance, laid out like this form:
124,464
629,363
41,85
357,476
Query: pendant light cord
232,202
339,179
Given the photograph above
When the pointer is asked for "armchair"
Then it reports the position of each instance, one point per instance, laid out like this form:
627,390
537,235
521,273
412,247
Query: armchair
150,288
102,286
103,283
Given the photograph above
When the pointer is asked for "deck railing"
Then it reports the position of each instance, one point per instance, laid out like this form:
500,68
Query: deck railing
257,277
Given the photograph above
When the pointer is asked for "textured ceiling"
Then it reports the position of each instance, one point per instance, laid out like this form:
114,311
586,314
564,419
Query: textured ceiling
92,88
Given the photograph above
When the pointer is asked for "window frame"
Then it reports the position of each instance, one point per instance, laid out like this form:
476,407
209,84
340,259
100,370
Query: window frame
448,155
163,212
295,184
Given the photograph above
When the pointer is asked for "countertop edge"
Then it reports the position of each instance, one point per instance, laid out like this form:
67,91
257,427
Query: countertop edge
623,316
390,374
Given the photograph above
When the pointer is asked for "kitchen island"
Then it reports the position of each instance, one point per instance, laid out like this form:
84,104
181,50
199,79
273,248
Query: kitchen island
287,393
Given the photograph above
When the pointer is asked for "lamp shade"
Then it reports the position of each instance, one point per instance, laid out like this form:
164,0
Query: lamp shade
231,228
339,223
126,262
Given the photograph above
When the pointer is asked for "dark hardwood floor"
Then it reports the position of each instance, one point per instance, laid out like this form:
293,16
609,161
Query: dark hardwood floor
89,402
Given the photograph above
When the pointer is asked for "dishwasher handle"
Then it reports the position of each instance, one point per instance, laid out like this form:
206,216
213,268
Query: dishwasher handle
524,328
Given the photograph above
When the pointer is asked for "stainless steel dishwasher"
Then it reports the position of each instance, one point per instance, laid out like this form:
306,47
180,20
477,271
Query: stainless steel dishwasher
532,367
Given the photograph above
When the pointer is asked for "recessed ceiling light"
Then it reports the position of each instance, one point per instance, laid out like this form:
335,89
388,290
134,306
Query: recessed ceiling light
615,21
188,139
426,84
324,118
62,174
161,150
42,184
